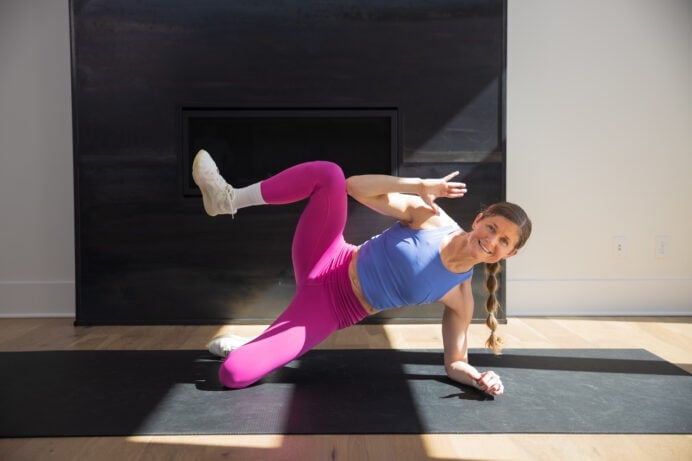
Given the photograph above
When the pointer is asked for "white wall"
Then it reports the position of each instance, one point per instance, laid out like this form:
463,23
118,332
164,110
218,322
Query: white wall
36,211
599,144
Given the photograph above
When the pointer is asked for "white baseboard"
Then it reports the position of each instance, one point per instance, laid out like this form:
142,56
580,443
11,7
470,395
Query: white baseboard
626,297
37,299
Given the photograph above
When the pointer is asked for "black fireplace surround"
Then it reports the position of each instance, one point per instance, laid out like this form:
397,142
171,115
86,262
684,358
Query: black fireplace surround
411,88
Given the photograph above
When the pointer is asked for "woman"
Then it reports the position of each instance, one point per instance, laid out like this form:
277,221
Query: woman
424,257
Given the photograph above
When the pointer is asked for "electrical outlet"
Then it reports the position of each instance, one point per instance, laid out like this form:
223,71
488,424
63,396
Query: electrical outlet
662,247
619,245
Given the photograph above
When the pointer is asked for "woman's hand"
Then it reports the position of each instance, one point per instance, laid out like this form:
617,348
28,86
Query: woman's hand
431,189
490,382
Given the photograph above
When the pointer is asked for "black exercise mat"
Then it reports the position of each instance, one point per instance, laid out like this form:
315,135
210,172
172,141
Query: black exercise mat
101,393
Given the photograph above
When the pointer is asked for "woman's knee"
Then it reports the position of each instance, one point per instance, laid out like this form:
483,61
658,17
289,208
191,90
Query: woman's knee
329,172
233,374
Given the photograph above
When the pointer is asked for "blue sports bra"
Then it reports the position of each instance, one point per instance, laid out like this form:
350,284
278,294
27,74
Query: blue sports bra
402,267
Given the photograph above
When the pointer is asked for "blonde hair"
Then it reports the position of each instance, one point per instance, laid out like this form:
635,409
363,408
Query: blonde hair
518,216
493,342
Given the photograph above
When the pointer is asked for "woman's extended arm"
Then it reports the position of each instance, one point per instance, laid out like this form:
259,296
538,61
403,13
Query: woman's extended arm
455,323
401,197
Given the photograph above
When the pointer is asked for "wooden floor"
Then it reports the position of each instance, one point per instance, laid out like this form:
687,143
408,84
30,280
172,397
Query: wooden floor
669,338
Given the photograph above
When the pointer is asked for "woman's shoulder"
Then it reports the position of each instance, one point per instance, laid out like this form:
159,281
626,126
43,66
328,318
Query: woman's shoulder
426,219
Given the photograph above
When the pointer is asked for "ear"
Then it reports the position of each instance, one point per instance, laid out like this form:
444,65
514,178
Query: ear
479,216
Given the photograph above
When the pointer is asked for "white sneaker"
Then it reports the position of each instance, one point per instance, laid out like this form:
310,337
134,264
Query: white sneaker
222,345
217,195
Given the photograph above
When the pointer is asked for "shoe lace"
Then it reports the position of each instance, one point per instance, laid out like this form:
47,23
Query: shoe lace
230,197
229,193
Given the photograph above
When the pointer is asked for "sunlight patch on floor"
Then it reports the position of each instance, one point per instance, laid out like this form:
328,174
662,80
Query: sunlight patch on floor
239,441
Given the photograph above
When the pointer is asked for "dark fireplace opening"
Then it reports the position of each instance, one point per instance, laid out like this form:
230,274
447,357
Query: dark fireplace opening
251,145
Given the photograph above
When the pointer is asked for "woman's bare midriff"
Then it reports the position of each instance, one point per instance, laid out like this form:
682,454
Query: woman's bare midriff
355,285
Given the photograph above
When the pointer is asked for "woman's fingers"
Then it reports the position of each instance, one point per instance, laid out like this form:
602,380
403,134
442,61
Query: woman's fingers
454,189
450,176
490,382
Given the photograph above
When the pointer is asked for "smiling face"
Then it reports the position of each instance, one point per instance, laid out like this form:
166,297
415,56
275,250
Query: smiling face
493,238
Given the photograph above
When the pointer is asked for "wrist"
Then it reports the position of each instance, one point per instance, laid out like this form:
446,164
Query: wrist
411,186
464,373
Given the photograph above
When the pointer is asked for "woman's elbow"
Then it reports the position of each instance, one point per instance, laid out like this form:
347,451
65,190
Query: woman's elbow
448,370
451,367
353,186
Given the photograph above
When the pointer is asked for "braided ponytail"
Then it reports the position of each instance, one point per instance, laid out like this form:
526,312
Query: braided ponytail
517,215
493,342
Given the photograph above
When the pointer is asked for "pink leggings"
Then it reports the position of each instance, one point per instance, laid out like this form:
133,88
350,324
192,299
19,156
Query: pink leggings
324,301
